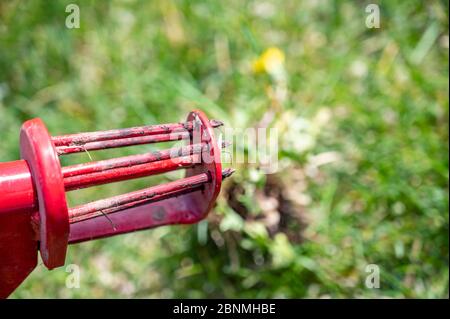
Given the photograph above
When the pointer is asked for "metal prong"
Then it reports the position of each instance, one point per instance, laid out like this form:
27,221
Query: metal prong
225,144
227,172
147,195
129,172
80,139
216,123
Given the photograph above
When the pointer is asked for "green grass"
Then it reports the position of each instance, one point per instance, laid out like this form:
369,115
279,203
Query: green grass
375,101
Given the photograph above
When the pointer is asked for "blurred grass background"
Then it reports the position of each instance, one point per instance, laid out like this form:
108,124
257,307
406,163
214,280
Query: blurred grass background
363,121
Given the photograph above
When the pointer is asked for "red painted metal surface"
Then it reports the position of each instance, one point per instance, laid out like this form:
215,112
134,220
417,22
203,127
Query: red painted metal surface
183,209
151,194
18,250
100,166
38,150
101,145
130,172
18,246
83,138
16,186
33,211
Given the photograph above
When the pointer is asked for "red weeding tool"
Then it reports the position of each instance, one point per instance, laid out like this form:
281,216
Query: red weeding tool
33,210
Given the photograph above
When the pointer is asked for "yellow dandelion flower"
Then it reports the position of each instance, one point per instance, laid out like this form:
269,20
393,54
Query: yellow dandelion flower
270,61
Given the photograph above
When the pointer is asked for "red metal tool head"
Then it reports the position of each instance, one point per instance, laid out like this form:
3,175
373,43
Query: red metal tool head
33,208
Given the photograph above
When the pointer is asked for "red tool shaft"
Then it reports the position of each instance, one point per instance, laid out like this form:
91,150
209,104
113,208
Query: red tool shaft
92,167
135,204
131,172
100,145
142,196
16,185
88,137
